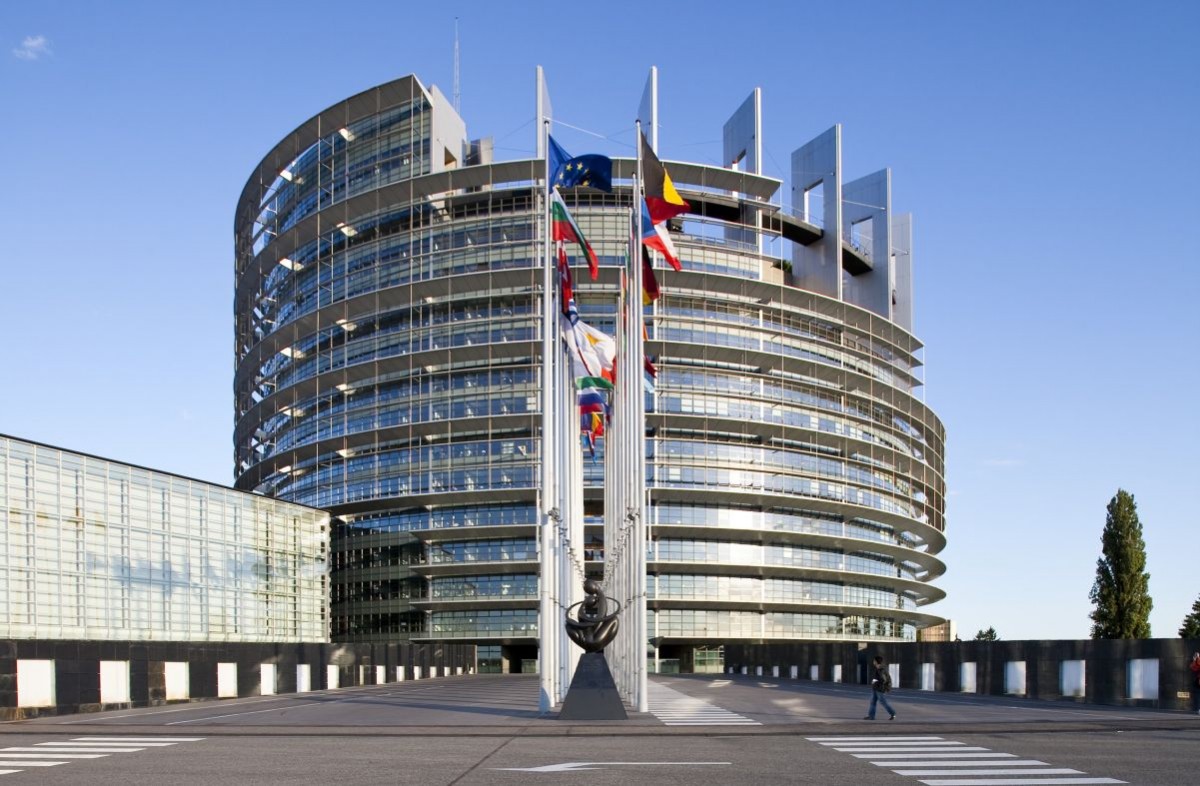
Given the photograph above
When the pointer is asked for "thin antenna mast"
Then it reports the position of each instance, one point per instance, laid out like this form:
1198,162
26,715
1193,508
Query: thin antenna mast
457,91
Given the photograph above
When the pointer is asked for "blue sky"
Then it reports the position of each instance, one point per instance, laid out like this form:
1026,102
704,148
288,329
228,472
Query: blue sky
1047,151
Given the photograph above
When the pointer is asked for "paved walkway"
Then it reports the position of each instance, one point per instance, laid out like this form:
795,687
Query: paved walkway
492,705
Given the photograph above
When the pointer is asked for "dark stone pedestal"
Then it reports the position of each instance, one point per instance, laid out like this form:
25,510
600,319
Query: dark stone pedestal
593,694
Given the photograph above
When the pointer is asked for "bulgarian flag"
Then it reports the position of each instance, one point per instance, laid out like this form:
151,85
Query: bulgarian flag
566,230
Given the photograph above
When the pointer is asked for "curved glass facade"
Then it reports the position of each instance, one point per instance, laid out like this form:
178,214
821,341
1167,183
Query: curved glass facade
388,351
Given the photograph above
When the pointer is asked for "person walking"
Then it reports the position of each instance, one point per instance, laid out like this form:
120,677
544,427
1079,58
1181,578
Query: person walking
1195,667
881,683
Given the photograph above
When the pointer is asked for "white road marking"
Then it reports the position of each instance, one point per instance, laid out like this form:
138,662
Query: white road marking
874,740
675,708
960,763
924,755
933,756
228,715
70,747
989,773
579,766
917,751
53,754
1015,781
106,745
44,755
178,709
915,745
63,750
137,739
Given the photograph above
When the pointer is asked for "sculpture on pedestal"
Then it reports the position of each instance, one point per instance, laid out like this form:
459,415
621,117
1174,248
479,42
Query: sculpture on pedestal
593,694
594,627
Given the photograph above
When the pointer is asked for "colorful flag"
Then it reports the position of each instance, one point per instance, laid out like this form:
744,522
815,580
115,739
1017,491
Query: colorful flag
650,290
656,236
566,230
566,287
567,171
592,400
593,354
592,423
664,200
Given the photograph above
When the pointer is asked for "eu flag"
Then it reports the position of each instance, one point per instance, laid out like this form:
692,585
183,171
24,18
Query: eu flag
567,171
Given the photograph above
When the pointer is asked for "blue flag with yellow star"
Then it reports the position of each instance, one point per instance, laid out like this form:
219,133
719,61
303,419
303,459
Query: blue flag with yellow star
567,171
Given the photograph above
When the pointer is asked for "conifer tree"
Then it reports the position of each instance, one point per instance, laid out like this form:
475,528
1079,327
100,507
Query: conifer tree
1121,594
1191,623
987,635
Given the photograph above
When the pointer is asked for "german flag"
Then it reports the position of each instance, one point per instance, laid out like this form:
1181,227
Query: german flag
661,196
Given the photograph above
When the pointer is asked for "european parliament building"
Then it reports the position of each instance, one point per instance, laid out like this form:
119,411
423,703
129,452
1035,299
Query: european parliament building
388,289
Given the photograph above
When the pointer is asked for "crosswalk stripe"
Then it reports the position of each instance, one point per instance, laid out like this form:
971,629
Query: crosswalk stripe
53,754
107,745
961,763
917,751
60,750
934,759
170,740
45,755
925,755
71,748
1015,781
125,744
989,773
916,744
885,743
677,709
876,738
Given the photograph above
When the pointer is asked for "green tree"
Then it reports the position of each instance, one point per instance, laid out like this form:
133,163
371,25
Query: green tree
1191,623
1121,593
987,635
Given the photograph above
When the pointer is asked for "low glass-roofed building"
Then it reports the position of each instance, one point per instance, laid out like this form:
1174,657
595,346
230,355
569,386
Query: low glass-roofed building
98,550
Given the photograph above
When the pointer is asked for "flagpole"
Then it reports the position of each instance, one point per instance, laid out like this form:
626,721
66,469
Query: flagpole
638,422
546,695
567,491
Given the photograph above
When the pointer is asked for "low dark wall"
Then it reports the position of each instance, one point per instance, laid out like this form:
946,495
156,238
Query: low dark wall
1106,665
77,668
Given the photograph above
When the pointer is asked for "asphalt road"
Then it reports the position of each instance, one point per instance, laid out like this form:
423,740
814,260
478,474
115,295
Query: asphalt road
485,730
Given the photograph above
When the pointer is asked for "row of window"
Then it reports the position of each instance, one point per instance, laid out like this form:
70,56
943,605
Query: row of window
400,322
440,518
811,522
524,585
384,153
370,465
53,605
383,258
498,550
748,589
770,389
661,550
722,552
747,624
374,349
683,623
